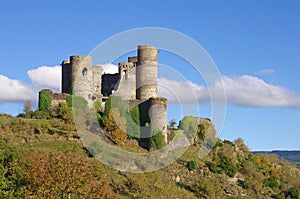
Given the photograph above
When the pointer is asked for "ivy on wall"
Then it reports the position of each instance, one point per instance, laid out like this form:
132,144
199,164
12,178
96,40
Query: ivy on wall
44,101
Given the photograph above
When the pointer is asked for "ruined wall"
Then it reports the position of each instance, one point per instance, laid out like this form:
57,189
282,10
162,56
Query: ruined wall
82,76
56,98
66,77
97,81
109,84
127,83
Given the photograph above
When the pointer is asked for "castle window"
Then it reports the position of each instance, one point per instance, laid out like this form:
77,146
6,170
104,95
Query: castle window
125,74
84,71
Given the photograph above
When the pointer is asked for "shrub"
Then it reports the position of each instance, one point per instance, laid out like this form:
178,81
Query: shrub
245,184
116,125
62,175
214,168
278,196
133,123
41,114
97,106
158,140
100,119
44,101
271,182
227,166
11,176
114,102
201,131
191,165
293,193
207,188
76,102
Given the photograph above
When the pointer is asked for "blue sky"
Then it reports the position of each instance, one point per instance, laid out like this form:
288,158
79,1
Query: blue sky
253,43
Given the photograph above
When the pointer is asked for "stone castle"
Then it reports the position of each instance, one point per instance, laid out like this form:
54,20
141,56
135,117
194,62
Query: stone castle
136,84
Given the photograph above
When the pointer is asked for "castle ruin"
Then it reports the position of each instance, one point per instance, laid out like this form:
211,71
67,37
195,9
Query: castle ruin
135,83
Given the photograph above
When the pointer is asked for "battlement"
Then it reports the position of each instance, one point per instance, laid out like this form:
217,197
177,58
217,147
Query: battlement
126,65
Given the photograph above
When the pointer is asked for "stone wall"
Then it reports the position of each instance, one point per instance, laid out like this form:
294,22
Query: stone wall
136,83
97,81
56,98
127,83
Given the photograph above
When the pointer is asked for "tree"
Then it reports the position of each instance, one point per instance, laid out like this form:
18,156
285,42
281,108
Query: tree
116,125
28,108
172,123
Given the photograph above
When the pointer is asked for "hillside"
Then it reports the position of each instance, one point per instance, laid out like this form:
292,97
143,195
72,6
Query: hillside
292,156
42,157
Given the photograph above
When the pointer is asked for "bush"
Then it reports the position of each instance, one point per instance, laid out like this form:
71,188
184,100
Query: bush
158,140
11,176
227,166
44,101
271,182
133,123
191,165
245,184
76,102
97,106
114,102
201,131
41,114
62,175
293,193
207,188
278,196
116,125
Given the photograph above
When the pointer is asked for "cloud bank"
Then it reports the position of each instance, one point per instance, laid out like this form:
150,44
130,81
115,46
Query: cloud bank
46,76
42,77
244,90
14,90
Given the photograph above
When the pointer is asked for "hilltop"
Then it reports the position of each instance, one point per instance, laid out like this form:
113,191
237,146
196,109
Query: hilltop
42,157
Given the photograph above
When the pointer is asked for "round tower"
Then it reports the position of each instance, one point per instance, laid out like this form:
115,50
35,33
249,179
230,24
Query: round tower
158,115
82,76
146,72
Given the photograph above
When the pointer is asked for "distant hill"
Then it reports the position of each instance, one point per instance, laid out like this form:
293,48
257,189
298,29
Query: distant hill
292,156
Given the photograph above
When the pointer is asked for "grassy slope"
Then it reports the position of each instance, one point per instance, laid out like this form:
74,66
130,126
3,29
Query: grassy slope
55,166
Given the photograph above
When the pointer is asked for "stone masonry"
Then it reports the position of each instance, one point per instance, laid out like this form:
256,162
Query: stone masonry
135,83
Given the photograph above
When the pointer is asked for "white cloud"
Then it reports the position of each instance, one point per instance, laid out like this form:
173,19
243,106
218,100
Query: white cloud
15,91
252,91
46,76
109,68
245,90
182,91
